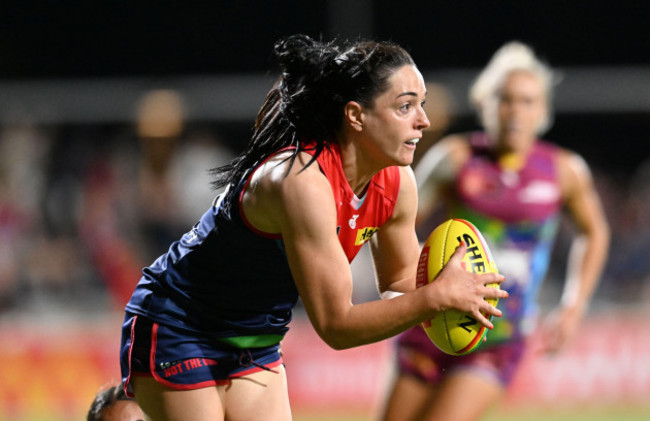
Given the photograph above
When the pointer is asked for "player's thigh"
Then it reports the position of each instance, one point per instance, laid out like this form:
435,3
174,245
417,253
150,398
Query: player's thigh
259,396
408,399
161,403
464,396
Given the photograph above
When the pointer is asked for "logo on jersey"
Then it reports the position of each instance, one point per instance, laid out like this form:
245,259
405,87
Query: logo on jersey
353,221
474,183
364,235
538,191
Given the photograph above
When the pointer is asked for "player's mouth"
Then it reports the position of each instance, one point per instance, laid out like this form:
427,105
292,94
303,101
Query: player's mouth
412,142
513,127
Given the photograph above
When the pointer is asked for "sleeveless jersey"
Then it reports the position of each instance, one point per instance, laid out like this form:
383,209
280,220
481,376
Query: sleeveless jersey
518,214
224,279
359,218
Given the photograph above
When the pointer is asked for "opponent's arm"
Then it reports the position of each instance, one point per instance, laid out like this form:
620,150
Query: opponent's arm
437,168
589,248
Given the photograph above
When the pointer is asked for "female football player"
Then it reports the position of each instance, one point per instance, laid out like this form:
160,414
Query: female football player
326,170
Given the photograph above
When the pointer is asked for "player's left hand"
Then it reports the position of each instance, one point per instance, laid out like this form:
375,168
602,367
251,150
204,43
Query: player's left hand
559,327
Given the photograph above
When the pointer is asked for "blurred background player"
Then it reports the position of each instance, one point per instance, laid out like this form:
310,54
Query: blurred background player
513,187
112,404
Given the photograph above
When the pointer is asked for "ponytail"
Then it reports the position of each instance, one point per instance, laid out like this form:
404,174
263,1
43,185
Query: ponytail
305,106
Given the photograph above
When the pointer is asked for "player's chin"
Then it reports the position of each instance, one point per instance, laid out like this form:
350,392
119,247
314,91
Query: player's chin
516,139
404,161
405,155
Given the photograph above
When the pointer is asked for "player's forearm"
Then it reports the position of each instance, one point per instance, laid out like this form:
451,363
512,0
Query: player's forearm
374,321
586,261
396,288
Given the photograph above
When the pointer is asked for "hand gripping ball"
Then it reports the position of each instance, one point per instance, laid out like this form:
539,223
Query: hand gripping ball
452,331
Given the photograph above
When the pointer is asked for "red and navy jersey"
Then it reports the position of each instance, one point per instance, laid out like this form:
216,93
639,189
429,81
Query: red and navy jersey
224,279
359,218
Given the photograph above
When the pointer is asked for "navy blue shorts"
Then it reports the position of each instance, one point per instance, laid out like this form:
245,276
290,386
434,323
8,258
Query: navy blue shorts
181,360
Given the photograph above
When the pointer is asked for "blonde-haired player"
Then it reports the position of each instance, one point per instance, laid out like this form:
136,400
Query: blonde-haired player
513,187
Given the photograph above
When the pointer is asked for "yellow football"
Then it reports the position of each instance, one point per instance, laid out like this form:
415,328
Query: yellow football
452,331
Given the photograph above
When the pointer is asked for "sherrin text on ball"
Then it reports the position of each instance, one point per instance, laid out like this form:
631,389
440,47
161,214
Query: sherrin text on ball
452,331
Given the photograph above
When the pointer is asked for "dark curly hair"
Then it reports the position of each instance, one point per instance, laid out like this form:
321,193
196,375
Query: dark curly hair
106,399
306,103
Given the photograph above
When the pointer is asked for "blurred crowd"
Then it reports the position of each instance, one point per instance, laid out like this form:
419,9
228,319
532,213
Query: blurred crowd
84,207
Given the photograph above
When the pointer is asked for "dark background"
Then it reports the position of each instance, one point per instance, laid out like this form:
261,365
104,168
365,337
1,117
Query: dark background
80,40
106,38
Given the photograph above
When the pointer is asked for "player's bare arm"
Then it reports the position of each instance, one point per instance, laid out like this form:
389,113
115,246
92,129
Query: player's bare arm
302,209
437,169
587,213
588,251
394,247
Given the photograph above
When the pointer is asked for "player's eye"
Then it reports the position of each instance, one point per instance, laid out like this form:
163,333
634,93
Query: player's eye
405,107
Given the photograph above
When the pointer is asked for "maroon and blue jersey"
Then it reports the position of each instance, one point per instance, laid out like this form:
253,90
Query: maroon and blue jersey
517,211
225,279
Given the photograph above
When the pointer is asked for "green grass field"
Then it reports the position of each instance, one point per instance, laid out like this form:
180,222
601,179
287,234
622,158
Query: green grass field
632,413
617,413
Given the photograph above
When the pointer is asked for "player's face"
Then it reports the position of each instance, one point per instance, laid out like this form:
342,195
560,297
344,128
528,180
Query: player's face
394,123
521,110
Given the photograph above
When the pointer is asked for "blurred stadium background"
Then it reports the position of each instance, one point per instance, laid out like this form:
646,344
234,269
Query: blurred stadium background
112,111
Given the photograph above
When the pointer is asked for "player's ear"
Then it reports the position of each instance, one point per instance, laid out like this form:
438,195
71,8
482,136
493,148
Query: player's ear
353,115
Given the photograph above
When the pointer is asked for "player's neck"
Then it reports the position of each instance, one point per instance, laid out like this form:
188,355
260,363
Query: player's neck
513,159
